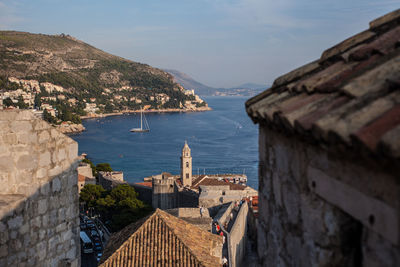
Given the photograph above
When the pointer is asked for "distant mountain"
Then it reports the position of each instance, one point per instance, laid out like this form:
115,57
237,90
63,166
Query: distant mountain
189,83
86,74
251,86
246,89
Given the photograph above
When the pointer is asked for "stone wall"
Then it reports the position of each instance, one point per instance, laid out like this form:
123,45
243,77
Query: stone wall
39,223
252,224
164,196
238,236
216,195
85,170
145,193
187,198
320,209
193,216
109,180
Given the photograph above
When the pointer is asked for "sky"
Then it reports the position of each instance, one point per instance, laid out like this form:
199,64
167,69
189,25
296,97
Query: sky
221,43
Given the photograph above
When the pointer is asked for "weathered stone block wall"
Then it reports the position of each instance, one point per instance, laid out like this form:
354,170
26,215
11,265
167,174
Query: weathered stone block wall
187,199
85,170
238,236
308,212
109,184
145,193
252,224
39,223
164,196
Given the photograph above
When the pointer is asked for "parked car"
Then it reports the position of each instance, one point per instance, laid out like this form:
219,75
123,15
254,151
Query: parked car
90,224
99,256
94,233
96,238
97,246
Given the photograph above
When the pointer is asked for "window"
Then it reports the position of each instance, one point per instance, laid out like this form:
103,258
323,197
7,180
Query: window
187,164
187,154
187,175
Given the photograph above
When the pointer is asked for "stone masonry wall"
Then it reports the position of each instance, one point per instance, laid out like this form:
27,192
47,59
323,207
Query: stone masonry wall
39,223
313,207
164,196
238,236
145,193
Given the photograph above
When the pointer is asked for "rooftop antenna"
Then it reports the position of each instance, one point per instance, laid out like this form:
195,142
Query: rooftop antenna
198,172
204,171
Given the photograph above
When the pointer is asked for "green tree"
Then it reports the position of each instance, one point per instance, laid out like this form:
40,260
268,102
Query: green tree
123,192
103,167
8,102
38,101
21,104
106,203
108,108
90,193
48,117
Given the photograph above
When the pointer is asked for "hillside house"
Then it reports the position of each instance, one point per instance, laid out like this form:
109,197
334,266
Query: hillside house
329,137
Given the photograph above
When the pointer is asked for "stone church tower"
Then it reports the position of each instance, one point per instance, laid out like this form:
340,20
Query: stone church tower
186,166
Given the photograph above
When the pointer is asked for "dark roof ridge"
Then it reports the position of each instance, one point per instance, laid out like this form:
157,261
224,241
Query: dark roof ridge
385,19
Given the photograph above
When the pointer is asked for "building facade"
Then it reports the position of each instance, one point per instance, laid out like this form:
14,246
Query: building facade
329,137
39,215
186,166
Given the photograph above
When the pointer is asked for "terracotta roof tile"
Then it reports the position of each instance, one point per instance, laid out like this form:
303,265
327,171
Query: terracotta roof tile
385,19
81,178
148,184
390,143
198,180
162,240
304,123
296,74
320,78
347,44
374,80
349,95
372,133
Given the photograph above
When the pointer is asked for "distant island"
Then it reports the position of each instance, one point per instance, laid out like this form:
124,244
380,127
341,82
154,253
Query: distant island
65,79
247,89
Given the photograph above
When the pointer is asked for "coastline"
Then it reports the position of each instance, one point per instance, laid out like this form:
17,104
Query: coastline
167,110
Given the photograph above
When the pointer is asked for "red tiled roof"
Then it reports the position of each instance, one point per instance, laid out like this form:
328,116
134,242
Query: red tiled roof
350,96
216,182
198,179
162,240
81,178
148,184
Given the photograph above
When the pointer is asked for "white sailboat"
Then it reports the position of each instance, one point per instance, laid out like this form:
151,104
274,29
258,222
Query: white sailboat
142,129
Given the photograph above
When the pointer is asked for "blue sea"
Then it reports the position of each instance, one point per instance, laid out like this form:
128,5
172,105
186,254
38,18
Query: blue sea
223,140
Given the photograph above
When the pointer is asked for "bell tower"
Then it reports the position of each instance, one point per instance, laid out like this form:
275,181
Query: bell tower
186,166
